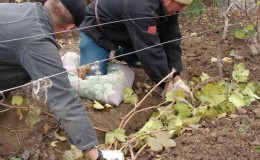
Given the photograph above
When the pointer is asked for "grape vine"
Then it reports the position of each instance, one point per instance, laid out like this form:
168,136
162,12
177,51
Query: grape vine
213,99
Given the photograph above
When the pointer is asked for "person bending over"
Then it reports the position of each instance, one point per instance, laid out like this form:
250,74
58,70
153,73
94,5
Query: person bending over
141,25
24,59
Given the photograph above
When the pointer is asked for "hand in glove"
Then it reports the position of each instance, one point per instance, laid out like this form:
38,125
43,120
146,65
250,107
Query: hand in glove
179,85
105,154
112,155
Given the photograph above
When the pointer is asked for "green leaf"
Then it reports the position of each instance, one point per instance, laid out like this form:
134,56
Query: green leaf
33,116
211,113
247,32
161,140
26,102
178,122
237,100
167,112
175,124
240,74
200,111
109,138
196,80
248,100
131,99
17,100
19,113
183,109
240,34
211,93
15,158
257,88
226,107
170,96
77,154
191,120
128,91
151,125
88,105
172,132
108,105
250,27
257,148
226,87
68,155
249,90
179,94
97,105
118,134
250,31
204,77
130,96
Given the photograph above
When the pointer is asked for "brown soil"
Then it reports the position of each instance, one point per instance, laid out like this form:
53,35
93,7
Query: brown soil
225,138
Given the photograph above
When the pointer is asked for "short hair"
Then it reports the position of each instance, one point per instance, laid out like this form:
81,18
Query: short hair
60,11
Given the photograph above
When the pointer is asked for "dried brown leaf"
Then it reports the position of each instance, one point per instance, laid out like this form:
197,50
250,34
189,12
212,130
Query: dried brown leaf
83,70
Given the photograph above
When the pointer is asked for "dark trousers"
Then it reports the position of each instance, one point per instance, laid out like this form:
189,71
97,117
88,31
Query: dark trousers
61,98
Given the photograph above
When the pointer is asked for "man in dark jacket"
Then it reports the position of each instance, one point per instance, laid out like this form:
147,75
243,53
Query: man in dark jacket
29,51
143,26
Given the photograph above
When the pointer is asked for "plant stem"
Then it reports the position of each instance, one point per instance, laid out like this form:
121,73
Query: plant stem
100,129
153,107
131,151
137,154
184,101
131,113
169,105
16,107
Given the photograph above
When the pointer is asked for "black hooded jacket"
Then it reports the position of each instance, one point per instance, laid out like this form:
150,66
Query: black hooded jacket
144,25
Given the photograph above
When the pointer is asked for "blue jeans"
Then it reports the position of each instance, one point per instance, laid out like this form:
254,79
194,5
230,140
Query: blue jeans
90,52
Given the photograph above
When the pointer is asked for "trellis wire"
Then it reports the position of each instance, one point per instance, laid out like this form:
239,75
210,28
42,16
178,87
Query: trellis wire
102,24
48,77
44,78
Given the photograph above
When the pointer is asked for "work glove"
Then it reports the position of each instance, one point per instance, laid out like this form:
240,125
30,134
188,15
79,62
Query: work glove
179,85
112,155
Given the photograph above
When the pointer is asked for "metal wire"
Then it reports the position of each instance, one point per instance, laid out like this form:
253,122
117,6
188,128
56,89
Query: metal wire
43,79
203,32
102,24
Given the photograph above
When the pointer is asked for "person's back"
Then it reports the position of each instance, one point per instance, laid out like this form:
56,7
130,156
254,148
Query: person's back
148,33
21,24
111,12
29,51
144,25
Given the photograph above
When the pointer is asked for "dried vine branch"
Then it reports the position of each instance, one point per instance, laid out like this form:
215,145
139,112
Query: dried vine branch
131,113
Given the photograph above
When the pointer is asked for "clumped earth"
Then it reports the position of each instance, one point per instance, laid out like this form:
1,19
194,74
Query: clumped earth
235,136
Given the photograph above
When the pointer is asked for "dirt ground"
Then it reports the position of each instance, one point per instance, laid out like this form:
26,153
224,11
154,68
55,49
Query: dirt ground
231,138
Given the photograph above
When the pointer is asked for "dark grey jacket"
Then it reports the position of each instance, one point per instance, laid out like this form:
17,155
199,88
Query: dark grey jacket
28,50
139,33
